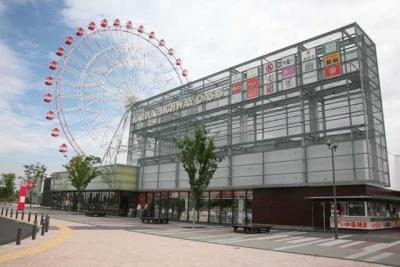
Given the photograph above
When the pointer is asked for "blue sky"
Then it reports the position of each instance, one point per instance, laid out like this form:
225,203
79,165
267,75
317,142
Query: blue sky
208,35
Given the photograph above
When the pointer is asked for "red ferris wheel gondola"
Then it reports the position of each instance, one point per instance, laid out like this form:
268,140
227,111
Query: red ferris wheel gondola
53,65
55,132
141,29
63,148
117,23
104,23
92,26
49,80
60,51
50,115
48,97
69,40
80,31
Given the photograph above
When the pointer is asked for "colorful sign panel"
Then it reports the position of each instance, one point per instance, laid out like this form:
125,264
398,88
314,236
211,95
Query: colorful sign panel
251,73
348,223
333,71
308,54
289,72
270,67
252,88
332,59
310,77
29,184
236,88
310,65
289,83
21,198
270,77
288,61
270,88
331,47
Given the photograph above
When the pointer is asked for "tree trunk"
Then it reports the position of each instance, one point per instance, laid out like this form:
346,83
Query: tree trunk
79,202
194,213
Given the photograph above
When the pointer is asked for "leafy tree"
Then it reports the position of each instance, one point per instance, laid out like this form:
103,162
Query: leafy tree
7,186
200,161
35,173
81,171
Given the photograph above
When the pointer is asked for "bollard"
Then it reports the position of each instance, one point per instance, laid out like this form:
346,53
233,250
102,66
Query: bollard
22,215
6,212
11,213
29,217
35,217
16,214
2,210
43,228
41,219
34,230
46,223
19,233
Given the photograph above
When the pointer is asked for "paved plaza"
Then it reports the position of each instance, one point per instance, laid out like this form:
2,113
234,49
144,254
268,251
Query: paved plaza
118,241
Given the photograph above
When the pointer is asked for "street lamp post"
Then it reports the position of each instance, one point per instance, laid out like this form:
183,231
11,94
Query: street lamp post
332,147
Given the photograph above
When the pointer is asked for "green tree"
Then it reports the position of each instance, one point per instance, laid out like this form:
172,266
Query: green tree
35,173
81,171
200,161
7,186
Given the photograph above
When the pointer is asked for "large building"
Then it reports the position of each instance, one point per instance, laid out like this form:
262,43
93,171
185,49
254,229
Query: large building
275,114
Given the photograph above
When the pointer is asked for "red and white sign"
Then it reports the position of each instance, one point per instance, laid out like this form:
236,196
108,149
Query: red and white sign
252,88
269,67
333,71
270,88
348,223
236,88
21,198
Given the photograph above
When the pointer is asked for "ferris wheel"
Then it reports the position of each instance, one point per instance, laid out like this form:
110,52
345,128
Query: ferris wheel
99,74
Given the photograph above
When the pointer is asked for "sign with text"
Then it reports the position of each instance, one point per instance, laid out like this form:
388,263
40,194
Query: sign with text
236,88
332,59
252,88
289,72
270,77
331,47
251,73
21,198
236,77
289,83
270,88
310,77
288,61
308,54
333,71
310,65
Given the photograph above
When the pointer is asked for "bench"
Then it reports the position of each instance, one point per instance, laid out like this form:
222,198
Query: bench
251,228
154,220
95,213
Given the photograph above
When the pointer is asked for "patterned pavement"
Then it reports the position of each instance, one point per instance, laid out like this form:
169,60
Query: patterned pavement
382,247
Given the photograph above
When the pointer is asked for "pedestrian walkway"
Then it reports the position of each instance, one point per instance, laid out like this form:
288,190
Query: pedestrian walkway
114,235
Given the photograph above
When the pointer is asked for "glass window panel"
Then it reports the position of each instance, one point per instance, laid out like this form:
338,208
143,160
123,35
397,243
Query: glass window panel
203,208
227,207
215,207
249,206
239,206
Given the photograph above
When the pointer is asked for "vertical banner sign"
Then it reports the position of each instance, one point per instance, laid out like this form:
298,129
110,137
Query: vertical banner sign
332,71
236,83
270,67
21,197
308,54
252,88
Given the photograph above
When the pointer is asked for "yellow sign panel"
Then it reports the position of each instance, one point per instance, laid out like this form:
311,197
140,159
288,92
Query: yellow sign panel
332,59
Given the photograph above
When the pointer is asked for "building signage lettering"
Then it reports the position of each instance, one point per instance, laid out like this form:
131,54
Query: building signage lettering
180,104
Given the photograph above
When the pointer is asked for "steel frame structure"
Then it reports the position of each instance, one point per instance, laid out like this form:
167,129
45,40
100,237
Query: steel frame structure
275,139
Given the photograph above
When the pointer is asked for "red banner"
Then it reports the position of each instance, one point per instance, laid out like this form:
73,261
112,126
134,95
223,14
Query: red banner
29,184
21,198
236,88
333,71
252,88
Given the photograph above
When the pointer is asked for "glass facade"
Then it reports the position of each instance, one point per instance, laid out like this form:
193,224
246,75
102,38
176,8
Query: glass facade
111,202
225,207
